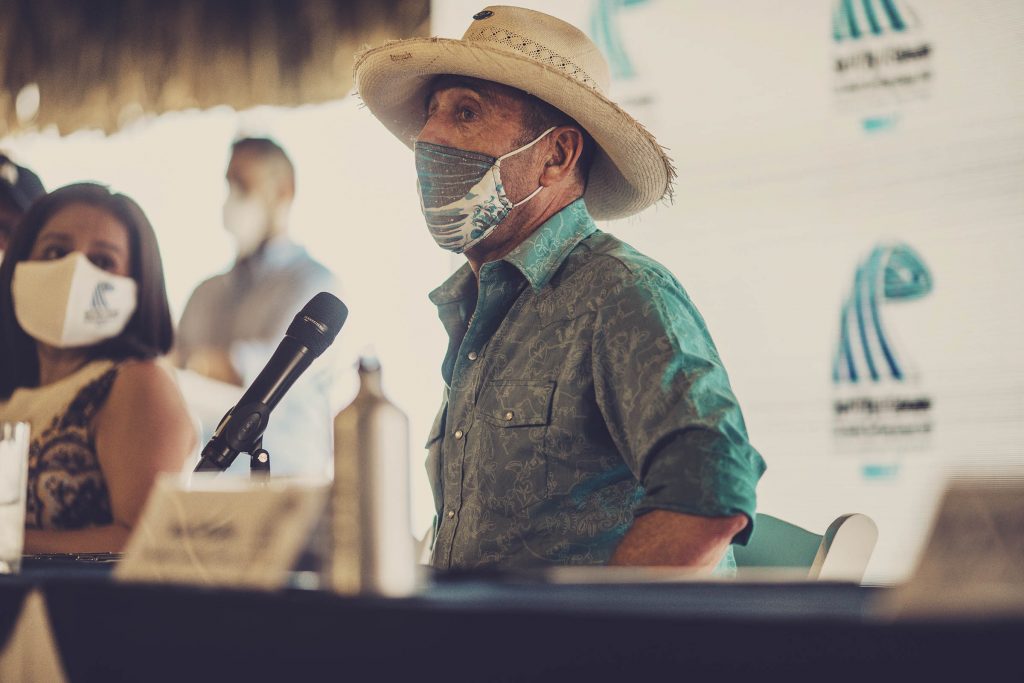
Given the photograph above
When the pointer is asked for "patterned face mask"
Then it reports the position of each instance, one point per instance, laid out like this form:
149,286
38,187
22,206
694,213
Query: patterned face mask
461,193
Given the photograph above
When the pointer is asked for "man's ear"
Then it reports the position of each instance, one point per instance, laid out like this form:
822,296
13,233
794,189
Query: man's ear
565,149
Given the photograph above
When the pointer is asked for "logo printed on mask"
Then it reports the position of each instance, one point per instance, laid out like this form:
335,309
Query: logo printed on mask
69,302
100,310
462,195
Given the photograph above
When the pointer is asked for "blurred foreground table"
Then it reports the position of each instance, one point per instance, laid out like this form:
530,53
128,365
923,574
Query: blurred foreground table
503,628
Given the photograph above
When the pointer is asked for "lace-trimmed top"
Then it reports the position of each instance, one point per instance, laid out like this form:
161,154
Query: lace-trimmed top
66,487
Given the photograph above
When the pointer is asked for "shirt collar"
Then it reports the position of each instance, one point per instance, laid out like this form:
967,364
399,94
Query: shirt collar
455,287
538,257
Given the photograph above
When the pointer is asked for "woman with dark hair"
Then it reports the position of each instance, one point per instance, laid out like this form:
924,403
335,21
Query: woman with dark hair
84,321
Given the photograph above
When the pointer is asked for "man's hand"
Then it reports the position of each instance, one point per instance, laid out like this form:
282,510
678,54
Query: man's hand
663,538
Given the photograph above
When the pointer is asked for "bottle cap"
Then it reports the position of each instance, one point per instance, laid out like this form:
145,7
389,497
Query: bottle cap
368,364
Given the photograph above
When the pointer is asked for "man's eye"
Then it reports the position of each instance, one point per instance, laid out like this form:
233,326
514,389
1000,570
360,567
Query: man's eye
466,114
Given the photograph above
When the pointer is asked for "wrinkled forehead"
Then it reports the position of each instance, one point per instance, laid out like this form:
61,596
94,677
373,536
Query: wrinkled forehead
497,92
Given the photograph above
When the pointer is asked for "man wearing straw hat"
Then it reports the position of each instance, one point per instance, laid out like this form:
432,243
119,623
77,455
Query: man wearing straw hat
587,416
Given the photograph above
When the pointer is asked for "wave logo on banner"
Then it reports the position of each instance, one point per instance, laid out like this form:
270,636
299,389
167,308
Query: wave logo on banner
607,33
853,19
614,29
879,402
881,58
865,350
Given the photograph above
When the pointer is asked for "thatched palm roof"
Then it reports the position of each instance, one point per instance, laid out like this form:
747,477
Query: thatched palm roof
102,63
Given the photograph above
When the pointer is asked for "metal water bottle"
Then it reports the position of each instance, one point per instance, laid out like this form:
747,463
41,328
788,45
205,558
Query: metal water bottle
372,543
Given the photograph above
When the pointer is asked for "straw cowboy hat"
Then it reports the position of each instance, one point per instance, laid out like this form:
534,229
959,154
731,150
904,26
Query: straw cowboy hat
545,57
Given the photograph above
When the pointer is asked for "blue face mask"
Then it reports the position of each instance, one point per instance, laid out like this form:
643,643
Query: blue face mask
461,193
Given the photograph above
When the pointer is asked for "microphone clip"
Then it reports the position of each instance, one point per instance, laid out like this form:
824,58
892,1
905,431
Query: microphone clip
239,431
259,460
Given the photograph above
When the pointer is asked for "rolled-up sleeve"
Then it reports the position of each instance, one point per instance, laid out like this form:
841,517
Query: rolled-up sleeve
667,403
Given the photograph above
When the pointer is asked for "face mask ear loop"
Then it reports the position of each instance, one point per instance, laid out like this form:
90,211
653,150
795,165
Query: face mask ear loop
528,197
517,151
525,147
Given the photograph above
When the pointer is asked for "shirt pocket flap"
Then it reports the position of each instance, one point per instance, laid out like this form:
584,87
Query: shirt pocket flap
517,403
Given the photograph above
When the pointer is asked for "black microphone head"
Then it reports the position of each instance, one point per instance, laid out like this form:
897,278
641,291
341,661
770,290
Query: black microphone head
319,322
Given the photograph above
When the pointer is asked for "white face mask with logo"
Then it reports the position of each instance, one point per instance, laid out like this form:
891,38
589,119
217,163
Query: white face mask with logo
70,303
247,220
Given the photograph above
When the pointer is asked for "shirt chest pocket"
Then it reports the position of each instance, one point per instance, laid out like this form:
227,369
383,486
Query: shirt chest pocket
510,464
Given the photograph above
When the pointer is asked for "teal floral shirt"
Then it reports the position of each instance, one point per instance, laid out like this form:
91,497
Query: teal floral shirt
581,389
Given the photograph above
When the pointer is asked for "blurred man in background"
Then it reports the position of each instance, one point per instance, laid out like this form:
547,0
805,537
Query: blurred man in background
234,321
19,187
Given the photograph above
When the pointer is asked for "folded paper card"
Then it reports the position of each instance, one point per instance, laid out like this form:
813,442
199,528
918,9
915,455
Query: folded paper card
223,531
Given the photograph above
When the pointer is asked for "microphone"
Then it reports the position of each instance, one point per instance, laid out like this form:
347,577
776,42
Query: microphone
310,333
